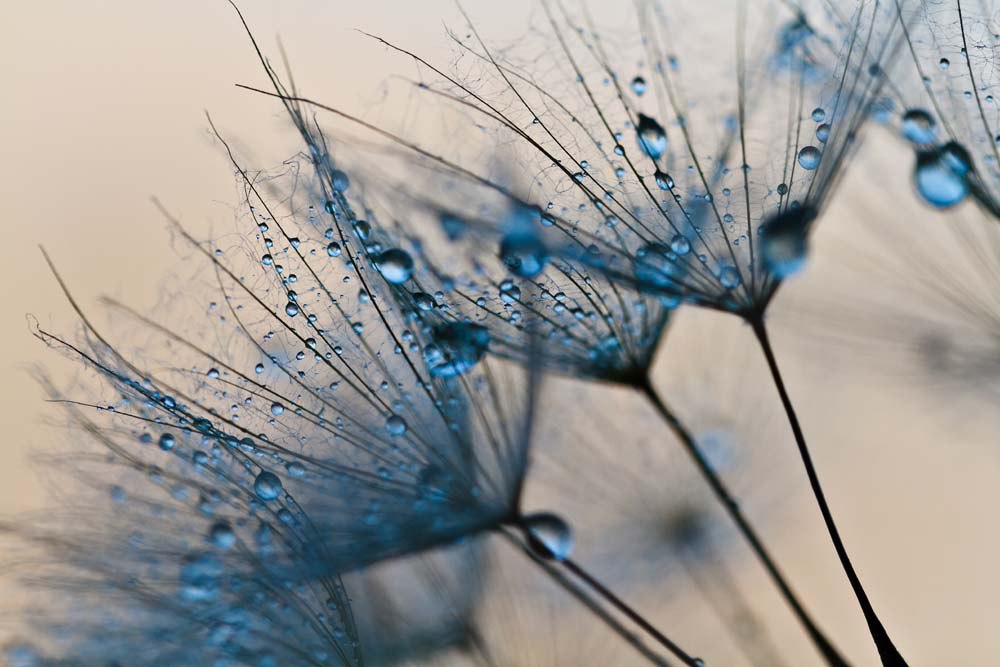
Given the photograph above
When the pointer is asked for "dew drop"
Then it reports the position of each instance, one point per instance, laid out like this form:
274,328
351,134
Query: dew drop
729,277
784,241
941,175
291,309
395,265
809,157
457,347
221,535
277,409
340,180
639,85
680,245
267,485
652,137
663,180
919,127
167,442
524,253
395,425
548,535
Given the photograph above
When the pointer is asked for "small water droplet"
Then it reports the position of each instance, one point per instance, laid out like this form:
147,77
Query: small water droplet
639,85
663,180
548,535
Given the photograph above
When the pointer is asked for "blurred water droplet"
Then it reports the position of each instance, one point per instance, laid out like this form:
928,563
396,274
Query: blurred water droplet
457,347
919,127
941,176
548,535
395,425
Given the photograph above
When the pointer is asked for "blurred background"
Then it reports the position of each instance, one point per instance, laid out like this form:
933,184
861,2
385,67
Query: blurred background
105,107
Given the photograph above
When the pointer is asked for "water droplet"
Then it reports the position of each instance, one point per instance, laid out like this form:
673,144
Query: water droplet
277,409
784,241
729,277
199,577
524,253
548,535
457,347
652,137
340,180
267,485
638,85
509,292
395,265
222,535
333,250
941,175
819,114
809,157
291,309
680,245
167,442
944,64
395,425
919,127
823,132
423,301
663,180
213,373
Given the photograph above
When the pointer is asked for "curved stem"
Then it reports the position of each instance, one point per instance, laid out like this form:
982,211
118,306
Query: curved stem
823,645
887,651
563,581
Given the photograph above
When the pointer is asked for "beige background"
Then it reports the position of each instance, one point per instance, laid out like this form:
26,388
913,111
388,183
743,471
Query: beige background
102,107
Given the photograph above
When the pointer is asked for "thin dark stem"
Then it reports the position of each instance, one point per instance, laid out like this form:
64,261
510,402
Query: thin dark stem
823,645
631,613
573,589
887,651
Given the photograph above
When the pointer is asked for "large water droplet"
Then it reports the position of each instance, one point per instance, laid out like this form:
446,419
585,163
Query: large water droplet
548,535
652,137
809,157
457,347
267,485
783,241
941,176
395,265
167,442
